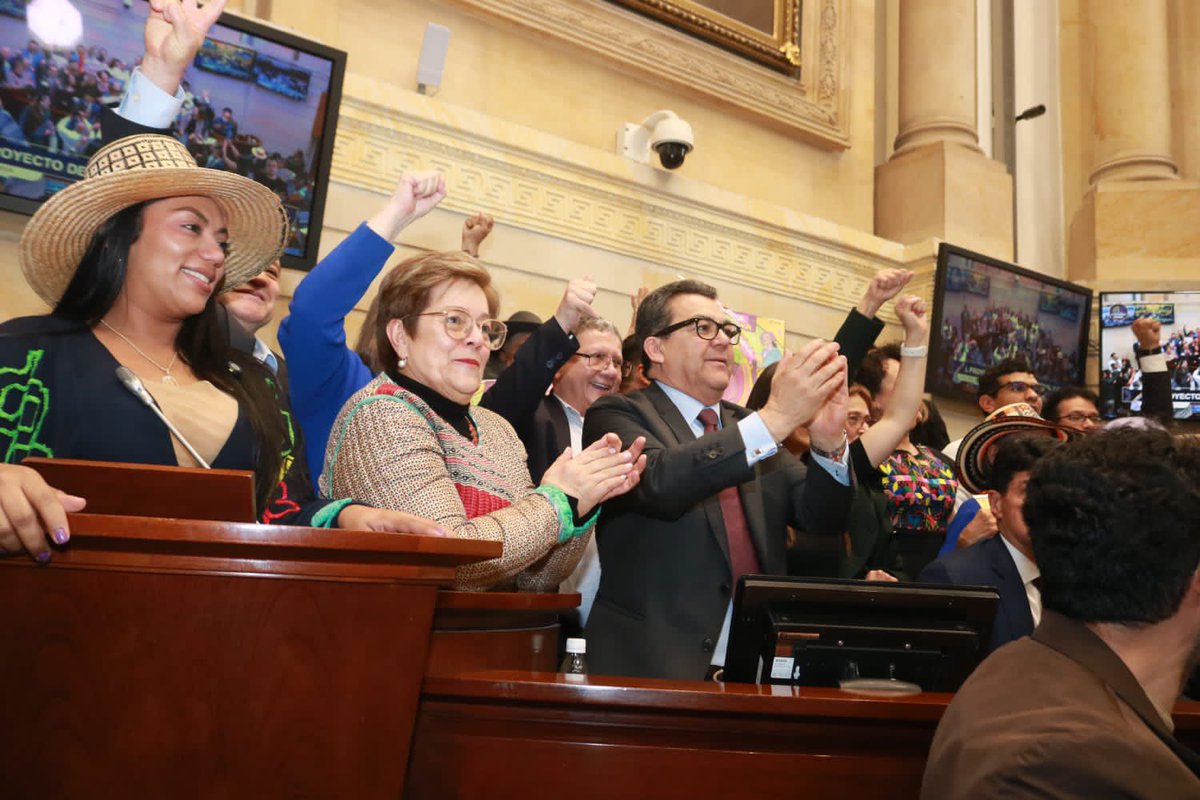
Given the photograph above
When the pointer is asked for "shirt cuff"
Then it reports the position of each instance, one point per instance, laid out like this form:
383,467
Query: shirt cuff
758,440
146,104
1154,363
840,470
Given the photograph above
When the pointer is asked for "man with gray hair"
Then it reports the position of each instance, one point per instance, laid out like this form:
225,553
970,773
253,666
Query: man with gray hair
592,372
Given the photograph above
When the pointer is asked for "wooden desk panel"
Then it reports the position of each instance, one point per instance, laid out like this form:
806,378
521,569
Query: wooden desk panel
489,733
505,734
496,630
158,658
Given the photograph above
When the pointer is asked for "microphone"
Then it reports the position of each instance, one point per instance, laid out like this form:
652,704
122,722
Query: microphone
134,384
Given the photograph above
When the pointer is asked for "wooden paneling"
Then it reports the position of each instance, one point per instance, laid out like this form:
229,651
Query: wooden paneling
161,658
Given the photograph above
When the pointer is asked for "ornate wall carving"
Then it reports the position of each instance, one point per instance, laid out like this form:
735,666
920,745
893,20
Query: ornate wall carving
814,106
561,189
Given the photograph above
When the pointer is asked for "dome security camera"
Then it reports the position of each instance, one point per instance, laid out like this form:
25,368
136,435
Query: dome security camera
672,140
664,133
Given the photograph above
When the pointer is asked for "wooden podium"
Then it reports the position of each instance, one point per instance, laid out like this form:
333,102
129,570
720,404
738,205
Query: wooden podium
181,658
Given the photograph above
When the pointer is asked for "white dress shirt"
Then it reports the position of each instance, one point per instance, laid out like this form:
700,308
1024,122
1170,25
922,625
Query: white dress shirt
1029,572
759,445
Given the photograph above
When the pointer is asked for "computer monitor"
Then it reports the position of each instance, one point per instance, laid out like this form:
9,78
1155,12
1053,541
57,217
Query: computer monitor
823,631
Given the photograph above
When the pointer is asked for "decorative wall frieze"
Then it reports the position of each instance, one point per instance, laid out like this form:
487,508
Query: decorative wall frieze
815,106
551,186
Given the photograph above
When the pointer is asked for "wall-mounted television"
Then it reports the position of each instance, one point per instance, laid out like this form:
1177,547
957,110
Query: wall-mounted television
1120,379
986,310
282,93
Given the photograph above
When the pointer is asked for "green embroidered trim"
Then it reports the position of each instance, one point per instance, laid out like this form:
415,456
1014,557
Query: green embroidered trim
327,516
327,473
29,400
567,529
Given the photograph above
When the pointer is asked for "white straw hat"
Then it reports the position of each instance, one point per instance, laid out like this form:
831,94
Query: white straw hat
137,169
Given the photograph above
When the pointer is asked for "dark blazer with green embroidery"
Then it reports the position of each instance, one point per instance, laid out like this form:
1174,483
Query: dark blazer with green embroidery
60,397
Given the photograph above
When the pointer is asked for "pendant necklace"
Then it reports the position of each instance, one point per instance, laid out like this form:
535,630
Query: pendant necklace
167,378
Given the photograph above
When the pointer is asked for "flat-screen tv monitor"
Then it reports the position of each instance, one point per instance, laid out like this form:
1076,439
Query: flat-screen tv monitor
1120,379
985,311
258,101
823,631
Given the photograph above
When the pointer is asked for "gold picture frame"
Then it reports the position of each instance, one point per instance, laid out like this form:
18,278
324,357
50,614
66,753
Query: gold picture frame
766,31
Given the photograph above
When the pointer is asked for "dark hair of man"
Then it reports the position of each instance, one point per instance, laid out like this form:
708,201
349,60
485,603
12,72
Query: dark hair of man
872,371
1051,402
654,312
631,352
762,388
989,381
932,432
202,344
1018,453
1115,524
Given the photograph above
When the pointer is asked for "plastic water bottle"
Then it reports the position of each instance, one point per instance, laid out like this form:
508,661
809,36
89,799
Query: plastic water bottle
574,663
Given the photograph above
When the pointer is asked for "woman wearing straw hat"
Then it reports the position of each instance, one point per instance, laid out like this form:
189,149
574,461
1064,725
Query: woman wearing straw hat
131,259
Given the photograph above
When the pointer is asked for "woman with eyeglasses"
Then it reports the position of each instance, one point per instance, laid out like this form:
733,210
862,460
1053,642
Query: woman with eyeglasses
411,440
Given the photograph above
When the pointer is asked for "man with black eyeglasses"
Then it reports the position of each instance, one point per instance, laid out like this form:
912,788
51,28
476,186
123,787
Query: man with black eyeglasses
1004,383
1073,407
718,492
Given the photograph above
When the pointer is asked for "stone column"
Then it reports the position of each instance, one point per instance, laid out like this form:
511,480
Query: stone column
1132,91
938,183
937,74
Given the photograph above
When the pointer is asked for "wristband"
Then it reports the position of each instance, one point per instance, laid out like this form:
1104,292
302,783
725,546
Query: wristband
1150,351
833,455
914,352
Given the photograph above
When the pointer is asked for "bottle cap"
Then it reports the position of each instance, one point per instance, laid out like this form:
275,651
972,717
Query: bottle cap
576,645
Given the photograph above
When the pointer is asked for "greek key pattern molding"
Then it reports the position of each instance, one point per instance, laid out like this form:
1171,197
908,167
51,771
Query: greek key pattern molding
551,196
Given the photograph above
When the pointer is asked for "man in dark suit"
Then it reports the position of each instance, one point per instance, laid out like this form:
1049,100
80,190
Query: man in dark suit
592,372
1082,708
1005,561
717,494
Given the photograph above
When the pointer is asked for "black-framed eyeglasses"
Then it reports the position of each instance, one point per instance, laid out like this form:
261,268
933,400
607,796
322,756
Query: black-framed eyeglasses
1020,387
599,361
706,328
1078,417
459,324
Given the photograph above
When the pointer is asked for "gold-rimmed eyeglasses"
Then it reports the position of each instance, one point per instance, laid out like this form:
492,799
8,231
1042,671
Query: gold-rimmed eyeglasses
459,324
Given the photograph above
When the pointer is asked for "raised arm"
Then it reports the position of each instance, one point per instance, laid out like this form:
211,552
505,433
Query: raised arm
175,30
861,327
1156,380
522,385
881,439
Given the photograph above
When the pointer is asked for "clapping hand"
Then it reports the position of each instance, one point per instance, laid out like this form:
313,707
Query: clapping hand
600,472
804,382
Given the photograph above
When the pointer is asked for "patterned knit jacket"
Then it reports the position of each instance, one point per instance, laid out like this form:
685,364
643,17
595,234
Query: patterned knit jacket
389,449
